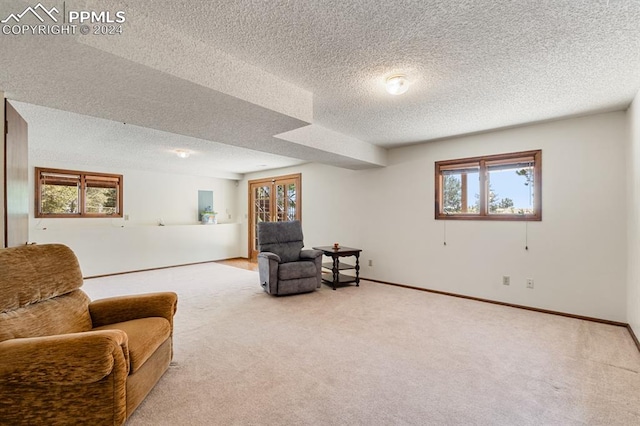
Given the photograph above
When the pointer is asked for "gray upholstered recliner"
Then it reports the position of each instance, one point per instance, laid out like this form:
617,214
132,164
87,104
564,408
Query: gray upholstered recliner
284,267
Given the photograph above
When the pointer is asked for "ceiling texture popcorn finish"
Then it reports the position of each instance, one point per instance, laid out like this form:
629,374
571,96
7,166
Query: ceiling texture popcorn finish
306,79
95,142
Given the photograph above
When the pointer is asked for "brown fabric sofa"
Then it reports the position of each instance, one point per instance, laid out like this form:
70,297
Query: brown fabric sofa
67,360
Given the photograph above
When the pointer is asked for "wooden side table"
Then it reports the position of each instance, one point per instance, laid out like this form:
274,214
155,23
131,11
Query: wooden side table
336,266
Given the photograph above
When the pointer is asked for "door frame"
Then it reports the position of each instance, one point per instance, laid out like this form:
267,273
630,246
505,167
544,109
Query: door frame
273,181
15,168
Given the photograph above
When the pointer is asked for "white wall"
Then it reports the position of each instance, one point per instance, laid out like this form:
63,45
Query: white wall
633,217
106,246
576,256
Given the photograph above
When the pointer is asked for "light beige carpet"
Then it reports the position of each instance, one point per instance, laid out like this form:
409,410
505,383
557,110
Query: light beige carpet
376,355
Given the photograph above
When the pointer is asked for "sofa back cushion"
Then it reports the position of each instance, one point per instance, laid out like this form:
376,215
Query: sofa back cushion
68,313
281,238
39,293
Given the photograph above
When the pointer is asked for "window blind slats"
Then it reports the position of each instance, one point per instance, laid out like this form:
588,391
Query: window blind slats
101,184
509,166
459,171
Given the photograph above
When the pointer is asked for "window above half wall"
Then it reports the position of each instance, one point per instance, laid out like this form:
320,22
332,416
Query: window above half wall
70,193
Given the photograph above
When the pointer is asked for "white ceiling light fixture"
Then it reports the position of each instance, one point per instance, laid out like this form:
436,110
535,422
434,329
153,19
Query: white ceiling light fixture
182,153
397,84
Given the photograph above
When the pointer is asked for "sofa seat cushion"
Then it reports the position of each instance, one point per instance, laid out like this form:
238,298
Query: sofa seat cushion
145,335
296,270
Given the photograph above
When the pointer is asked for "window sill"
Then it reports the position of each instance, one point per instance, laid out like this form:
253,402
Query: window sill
504,218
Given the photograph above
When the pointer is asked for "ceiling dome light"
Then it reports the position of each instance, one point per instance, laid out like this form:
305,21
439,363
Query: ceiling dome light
397,84
182,153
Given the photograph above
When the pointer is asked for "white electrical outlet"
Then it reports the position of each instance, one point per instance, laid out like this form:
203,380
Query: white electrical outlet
126,217
529,283
506,280
370,262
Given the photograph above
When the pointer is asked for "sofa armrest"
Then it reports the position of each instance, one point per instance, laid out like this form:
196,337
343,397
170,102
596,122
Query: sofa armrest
269,255
66,359
310,254
127,308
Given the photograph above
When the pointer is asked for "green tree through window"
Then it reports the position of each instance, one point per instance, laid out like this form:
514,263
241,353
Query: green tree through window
452,194
59,199
67,193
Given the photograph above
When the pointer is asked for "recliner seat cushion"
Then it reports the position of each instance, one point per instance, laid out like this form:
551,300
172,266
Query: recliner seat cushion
296,270
145,335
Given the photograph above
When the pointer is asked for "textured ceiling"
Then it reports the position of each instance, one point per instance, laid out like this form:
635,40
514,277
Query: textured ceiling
60,137
475,65
255,74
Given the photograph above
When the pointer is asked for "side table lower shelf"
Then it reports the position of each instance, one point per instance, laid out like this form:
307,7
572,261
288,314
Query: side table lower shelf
342,279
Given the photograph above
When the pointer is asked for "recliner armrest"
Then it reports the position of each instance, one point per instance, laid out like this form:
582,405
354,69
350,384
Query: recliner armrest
268,264
65,359
269,255
310,254
127,308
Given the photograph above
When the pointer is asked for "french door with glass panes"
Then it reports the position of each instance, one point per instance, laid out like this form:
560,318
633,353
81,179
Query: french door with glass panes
276,199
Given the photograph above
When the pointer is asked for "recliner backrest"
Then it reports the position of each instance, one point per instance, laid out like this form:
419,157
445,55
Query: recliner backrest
282,238
39,292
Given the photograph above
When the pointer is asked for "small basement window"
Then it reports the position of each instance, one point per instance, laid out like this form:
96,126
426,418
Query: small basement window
495,187
69,193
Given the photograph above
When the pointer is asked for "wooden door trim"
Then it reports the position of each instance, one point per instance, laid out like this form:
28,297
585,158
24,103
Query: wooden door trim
272,180
16,178
3,177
